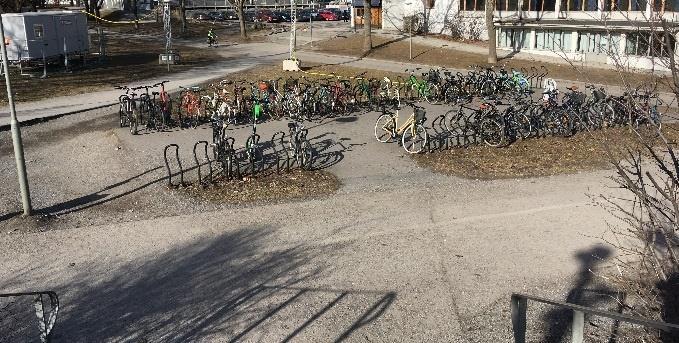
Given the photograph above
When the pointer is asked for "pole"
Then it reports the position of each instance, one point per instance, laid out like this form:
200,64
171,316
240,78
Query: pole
311,29
411,37
16,132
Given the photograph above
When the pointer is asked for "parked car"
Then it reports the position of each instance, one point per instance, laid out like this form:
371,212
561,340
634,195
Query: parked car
267,16
285,16
201,16
230,15
341,14
328,15
250,16
219,16
306,14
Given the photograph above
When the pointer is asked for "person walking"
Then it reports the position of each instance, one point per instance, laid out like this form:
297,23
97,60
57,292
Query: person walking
211,38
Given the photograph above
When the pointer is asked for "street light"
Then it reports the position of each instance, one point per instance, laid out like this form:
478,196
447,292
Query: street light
16,131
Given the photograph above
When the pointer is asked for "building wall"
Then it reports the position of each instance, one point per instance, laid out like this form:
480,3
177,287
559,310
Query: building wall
580,30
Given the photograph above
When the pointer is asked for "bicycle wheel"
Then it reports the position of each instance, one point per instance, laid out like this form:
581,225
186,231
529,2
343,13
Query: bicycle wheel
123,117
305,155
134,122
492,132
455,122
414,138
384,128
522,125
432,94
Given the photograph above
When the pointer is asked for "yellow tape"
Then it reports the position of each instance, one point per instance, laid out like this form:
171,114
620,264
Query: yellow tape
108,21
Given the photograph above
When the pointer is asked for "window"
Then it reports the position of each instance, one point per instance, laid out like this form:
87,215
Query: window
538,5
507,5
655,44
428,4
516,39
598,42
38,31
554,40
472,5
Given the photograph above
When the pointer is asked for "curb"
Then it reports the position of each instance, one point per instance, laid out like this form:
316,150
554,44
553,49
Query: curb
34,121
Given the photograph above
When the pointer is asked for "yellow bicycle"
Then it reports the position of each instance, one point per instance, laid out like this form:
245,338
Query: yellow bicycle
413,135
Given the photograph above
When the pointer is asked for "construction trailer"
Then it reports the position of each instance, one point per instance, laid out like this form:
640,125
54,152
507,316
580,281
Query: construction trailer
53,34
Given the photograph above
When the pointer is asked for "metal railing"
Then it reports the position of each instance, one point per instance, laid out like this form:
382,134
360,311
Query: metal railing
519,305
45,320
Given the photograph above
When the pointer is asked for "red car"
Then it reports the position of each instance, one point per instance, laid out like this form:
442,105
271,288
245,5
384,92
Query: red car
328,16
268,17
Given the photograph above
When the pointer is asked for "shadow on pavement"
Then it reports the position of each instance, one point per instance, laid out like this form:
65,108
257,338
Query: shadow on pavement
558,320
228,288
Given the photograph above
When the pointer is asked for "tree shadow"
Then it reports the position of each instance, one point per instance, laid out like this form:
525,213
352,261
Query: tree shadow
232,287
558,320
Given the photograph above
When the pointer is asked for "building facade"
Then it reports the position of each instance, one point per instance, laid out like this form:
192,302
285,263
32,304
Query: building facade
601,31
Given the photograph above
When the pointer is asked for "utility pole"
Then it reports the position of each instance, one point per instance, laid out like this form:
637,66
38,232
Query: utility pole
16,132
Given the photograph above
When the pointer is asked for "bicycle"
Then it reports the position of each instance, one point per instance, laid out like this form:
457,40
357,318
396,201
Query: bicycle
298,146
413,135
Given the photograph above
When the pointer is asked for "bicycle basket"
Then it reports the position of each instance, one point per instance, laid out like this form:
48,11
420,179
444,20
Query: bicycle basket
420,115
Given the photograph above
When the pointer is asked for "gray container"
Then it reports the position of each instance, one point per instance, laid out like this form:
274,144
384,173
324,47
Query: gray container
53,33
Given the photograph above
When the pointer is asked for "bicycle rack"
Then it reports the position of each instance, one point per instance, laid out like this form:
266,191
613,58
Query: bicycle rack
252,140
207,158
167,165
541,75
441,134
273,144
46,325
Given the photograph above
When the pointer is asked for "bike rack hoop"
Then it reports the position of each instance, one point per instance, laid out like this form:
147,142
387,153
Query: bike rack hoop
519,306
46,325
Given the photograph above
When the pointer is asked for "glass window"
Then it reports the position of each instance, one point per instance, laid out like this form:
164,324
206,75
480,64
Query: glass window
501,5
549,5
638,5
513,5
38,31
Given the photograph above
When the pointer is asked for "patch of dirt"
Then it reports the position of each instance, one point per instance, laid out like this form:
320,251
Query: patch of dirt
297,184
128,60
225,31
538,157
312,72
397,49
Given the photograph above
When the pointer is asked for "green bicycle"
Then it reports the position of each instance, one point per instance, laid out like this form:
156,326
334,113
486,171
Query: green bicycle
422,89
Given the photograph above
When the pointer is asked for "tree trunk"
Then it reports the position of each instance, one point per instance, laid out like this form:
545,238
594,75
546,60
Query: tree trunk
241,21
135,10
367,27
490,27
182,16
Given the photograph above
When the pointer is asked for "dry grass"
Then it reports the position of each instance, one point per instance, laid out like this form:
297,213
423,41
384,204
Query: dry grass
398,50
128,60
538,157
297,184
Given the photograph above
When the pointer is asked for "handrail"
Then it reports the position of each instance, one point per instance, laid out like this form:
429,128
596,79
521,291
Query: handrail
519,305
46,325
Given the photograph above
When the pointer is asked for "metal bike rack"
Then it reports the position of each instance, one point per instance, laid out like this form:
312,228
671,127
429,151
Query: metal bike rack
519,305
441,134
252,140
273,144
167,165
45,320
207,158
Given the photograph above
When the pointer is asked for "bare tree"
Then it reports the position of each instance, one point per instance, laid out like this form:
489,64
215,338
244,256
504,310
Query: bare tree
490,26
367,26
182,16
241,17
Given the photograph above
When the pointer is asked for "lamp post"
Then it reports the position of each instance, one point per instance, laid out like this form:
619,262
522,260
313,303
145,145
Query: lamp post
16,131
